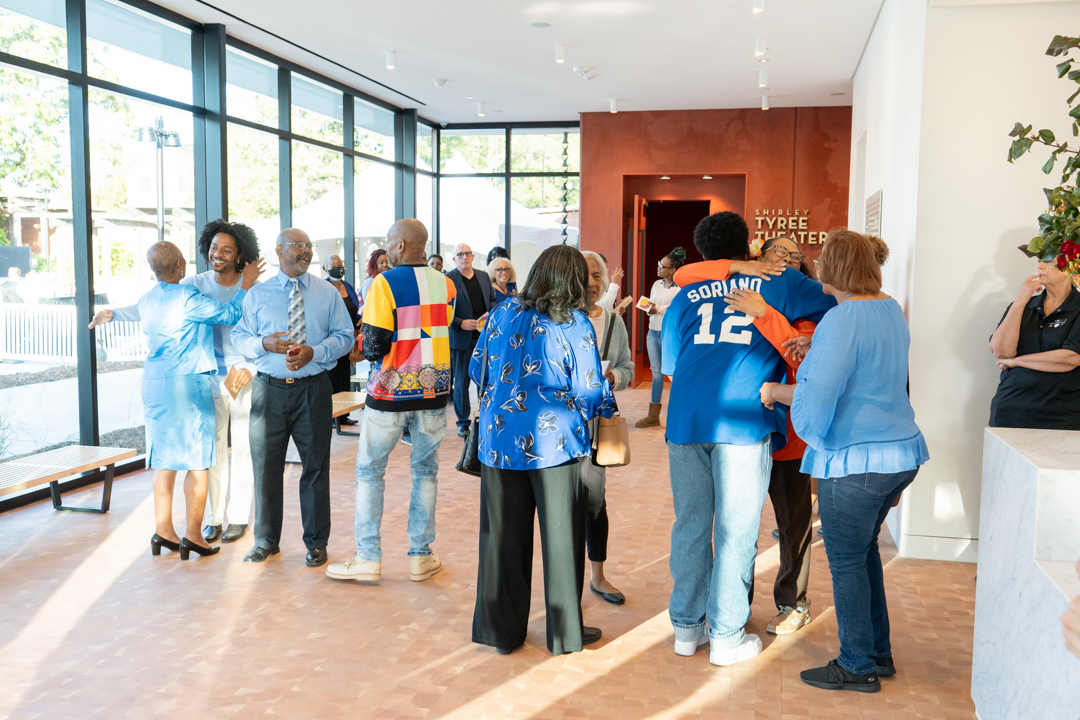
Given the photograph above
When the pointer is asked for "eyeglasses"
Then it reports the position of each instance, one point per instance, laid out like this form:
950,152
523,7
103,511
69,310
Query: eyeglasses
785,253
464,255
503,270
662,266
300,245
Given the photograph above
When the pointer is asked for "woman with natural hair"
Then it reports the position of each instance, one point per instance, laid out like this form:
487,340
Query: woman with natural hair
614,346
663,292
851,407
542,385
377,263
503,278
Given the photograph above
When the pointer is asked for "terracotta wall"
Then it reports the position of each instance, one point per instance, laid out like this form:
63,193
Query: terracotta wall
792,159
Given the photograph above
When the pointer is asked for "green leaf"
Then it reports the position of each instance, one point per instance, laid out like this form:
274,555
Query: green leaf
1064,67
1035,245
1049,192
1061,45
1075,112
1047,136
1017,131
1049,166
1076,129
1019,147
1072,97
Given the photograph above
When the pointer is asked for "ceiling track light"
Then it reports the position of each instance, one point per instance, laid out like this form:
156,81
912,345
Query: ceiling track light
664,177
480,109
763,78
759,45
389,59
560,54
706,177
614,106
759,6
764,102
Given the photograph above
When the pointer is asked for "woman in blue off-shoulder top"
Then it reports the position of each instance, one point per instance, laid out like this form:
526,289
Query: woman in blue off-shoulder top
851,406
543,385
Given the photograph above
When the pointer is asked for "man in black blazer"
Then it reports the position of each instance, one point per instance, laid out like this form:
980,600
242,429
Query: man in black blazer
475,297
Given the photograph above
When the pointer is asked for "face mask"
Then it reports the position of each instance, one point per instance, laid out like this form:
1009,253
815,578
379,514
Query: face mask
337,273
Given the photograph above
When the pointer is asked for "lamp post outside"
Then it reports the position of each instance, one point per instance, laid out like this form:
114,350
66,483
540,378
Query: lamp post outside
163,138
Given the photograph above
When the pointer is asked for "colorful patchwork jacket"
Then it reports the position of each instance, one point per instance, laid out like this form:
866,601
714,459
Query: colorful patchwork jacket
406,337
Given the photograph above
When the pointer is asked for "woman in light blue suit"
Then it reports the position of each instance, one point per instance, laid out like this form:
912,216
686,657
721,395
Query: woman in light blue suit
177,400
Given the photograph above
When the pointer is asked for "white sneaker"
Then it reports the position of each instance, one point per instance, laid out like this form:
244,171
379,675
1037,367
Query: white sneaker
356,569
421,567
687,648
750,647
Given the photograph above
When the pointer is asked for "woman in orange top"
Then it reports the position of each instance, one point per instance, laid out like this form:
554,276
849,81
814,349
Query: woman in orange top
789,489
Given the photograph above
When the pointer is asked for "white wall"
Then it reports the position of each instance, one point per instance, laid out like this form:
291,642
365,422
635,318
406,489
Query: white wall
954,213
886,103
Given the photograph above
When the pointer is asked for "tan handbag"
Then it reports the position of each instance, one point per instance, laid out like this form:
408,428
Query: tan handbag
611,441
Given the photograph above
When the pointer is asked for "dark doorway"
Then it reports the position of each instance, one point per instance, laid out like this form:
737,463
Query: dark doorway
666,224
670,224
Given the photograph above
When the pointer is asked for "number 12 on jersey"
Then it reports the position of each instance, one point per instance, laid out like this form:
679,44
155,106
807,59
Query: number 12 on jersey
704,335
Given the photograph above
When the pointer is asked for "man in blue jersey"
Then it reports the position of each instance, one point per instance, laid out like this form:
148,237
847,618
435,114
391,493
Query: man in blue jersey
720,439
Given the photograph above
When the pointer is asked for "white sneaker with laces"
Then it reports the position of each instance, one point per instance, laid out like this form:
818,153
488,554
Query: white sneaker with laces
750,647
687,648
421,567
356,569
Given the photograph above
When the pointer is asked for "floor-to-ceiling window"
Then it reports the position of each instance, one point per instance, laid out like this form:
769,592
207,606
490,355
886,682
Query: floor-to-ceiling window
515,187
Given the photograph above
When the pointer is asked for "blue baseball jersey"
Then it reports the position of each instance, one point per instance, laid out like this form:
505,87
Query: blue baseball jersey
718,360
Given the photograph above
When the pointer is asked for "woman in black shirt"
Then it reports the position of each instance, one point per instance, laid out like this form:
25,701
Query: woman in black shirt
1037,346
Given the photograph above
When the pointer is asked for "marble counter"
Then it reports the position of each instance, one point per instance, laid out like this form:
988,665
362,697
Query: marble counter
1029,542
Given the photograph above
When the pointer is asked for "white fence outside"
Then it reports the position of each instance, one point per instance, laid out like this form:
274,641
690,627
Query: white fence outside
46,333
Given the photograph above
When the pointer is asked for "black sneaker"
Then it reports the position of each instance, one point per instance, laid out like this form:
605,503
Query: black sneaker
834,677
463,432
885,667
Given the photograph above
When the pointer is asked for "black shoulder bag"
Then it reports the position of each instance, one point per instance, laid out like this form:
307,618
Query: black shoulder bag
470,454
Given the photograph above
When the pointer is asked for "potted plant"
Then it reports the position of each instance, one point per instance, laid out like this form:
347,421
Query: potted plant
1059,227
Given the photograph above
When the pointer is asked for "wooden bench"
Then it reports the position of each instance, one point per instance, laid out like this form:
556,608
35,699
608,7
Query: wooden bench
345,403
54,465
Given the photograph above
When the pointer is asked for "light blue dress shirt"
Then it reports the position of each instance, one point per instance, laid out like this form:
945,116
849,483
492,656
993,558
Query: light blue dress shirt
851,404
226,354
266,311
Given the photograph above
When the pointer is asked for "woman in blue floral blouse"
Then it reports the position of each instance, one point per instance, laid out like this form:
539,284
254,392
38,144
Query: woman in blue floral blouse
543,385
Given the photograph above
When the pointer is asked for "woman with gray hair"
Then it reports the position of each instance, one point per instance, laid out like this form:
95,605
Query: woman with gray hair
503,279
614,346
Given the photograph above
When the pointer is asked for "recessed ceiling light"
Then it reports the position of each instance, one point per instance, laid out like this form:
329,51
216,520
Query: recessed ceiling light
468,97
706,177
540,25
764,60
664,177
837,94
759,6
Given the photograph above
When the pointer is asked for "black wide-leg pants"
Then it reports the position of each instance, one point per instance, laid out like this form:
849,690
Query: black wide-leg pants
301,410
509,499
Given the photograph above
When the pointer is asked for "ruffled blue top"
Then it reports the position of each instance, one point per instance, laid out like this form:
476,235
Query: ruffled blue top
851,404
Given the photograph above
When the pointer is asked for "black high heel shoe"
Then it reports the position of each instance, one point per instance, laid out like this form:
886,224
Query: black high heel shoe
186,547
157,542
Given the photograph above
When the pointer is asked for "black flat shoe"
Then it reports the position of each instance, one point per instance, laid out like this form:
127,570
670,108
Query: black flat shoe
834,677
233,533
211,533
884,666
316,557
187,547
505,649
589,635
258,554
157,542
615,598
349,421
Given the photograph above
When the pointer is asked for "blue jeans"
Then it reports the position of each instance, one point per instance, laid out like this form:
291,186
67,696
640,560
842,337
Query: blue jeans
719,491
655,346
379,433
852,509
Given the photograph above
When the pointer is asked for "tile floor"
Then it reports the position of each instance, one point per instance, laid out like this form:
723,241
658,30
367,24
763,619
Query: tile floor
92,626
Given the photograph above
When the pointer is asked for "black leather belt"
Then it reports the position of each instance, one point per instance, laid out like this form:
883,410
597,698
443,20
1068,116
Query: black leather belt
288,381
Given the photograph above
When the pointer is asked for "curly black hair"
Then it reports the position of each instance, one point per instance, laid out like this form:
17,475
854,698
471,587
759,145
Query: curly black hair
247,244
722,236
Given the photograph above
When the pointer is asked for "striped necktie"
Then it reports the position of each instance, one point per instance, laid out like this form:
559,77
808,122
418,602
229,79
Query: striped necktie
297,327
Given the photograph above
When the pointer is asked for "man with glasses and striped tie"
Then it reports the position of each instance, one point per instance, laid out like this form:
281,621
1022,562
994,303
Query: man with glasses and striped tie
294,330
